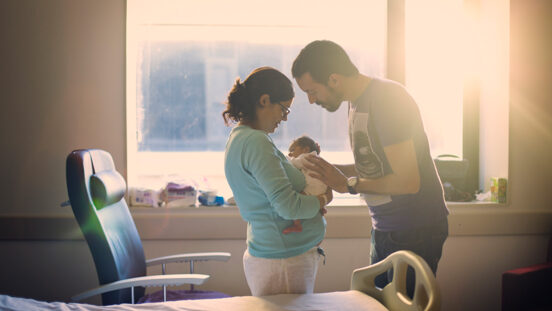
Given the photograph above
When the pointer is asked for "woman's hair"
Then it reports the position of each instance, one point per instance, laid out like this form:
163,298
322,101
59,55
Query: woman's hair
305,141
322,58
244,97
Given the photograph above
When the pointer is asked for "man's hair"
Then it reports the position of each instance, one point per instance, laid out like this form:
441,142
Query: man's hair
322,58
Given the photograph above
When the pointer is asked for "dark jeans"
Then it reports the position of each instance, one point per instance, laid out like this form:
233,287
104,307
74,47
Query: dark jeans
426,242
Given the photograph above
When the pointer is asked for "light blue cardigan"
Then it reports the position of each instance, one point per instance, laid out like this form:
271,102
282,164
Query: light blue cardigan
266,189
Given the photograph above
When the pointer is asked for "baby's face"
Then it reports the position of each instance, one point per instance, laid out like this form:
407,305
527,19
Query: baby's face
296,150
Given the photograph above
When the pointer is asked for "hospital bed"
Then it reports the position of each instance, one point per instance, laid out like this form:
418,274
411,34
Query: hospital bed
363,295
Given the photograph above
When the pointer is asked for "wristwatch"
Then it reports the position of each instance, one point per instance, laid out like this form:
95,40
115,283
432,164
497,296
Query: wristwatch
351,184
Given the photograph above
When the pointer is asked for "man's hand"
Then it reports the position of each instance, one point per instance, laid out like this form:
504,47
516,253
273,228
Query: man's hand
327,173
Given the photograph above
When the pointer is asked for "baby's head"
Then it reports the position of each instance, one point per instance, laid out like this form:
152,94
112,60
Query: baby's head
303,144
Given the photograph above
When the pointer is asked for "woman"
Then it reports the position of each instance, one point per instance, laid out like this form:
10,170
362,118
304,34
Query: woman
267,189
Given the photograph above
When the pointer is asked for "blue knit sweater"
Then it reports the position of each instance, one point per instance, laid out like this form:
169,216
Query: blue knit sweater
266,189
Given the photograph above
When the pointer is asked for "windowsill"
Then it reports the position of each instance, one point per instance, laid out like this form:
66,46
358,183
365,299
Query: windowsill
345,208
345,202
345,220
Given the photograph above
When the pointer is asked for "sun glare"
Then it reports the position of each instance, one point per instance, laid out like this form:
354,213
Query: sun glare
434,69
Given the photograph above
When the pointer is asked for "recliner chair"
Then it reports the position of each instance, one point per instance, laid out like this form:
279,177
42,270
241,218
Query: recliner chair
96,194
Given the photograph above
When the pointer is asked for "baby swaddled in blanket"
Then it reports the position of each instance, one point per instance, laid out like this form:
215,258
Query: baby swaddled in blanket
298,149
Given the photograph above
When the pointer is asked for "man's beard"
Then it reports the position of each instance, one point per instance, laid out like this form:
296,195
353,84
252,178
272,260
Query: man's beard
334,102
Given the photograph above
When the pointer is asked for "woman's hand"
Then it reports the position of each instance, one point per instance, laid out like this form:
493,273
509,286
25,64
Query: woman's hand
329,195
324,199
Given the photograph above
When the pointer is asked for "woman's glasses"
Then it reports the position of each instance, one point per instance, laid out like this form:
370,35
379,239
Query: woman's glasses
285,110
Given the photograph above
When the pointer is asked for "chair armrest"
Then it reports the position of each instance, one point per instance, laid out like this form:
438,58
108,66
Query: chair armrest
189,257
154,280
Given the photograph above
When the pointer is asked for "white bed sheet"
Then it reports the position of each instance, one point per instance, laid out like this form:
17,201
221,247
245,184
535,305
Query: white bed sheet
336,301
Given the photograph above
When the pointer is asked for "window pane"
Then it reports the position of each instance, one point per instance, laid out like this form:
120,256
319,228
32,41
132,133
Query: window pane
172,92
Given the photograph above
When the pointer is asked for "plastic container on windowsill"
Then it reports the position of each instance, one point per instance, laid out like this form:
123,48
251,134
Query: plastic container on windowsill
210,198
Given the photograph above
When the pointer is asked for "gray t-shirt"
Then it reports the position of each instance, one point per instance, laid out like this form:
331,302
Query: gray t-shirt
385,114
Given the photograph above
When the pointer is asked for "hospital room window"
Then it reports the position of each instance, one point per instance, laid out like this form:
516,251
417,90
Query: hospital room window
182,61
184,56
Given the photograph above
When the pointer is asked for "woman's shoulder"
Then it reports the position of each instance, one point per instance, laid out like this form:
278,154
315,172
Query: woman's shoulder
250,140
253,136
247,134
246,131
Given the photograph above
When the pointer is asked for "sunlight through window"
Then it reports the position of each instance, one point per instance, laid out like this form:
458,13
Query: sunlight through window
182,61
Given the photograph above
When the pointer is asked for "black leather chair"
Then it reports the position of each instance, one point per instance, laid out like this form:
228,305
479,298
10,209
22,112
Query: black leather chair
96,194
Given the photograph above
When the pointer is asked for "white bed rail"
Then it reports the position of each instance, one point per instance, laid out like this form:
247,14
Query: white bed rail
426,292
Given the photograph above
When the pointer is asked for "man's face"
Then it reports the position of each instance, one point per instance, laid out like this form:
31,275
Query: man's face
320,94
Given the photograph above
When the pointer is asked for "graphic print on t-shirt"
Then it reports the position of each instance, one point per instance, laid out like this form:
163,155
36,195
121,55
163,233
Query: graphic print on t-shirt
367,162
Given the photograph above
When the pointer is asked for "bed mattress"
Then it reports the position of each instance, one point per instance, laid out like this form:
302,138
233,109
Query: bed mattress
335,301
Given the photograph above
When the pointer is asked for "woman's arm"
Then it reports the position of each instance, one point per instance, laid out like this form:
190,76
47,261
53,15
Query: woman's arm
262,160
325,199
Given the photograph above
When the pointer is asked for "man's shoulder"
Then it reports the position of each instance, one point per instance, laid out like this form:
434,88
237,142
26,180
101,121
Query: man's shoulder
376,90
384,86
383,93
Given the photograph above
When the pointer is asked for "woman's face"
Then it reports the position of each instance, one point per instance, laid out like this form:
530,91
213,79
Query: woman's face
272,114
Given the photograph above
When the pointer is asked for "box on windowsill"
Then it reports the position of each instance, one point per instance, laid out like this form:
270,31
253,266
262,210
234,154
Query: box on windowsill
498,189
179,195
142,197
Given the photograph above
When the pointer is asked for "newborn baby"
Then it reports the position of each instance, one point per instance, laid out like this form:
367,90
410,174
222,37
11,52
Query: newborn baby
298,149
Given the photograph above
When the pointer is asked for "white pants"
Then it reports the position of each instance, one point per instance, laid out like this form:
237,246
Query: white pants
294,275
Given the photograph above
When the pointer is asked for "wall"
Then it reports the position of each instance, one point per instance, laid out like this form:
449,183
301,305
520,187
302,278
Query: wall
530,103
62,88
63,83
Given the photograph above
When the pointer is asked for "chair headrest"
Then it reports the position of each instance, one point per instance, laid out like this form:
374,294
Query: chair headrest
106,188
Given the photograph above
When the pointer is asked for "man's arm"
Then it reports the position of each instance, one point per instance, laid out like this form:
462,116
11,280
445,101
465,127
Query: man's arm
347,169
405,178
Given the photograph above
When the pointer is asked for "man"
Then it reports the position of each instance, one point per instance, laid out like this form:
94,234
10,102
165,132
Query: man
393,168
